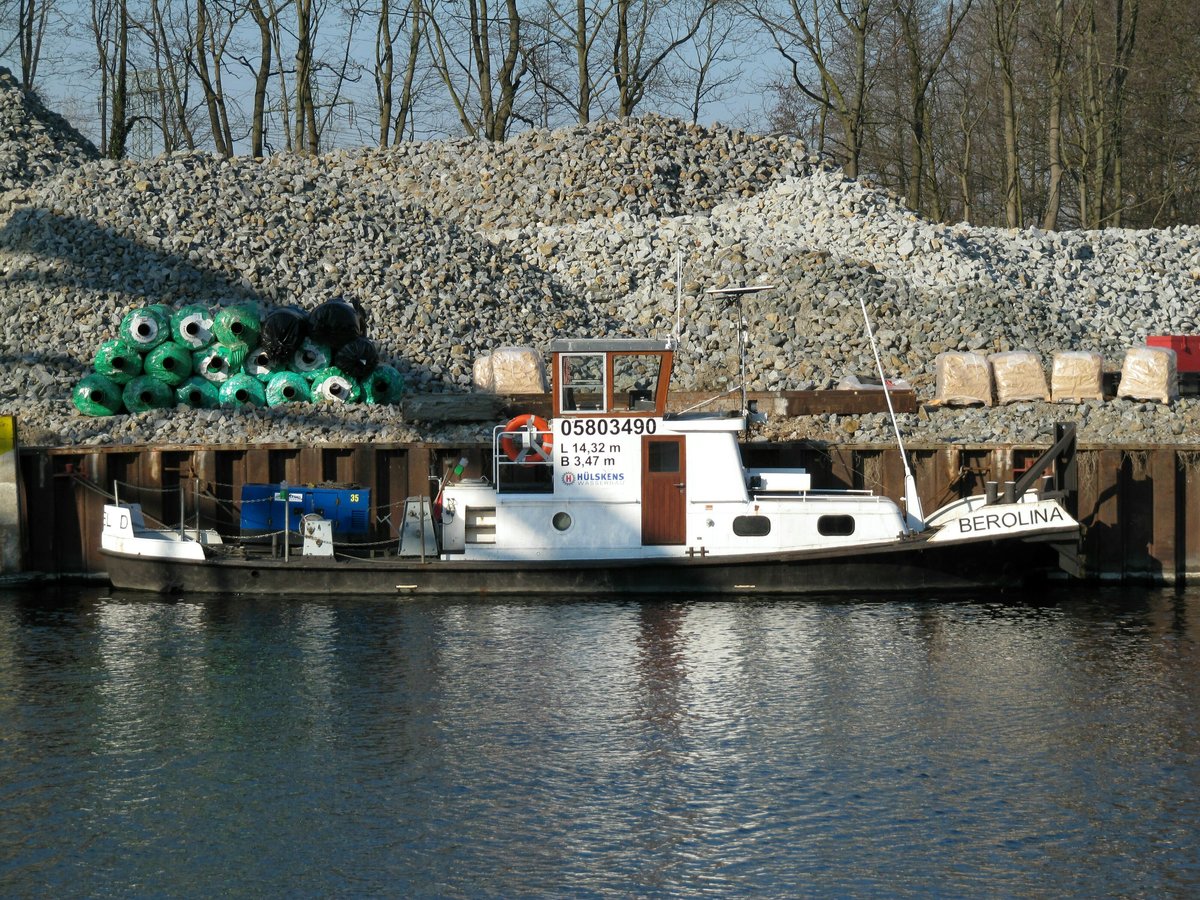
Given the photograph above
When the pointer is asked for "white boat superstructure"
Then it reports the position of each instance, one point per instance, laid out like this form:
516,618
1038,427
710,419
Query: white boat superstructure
125,531
612,476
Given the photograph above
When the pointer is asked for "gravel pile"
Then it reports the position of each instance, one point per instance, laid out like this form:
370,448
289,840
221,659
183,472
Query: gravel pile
455,248
34,142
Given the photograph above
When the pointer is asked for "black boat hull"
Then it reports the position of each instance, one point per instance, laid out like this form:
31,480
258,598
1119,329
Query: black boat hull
905,566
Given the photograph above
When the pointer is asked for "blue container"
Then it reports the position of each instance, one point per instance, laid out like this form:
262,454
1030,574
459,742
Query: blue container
348,508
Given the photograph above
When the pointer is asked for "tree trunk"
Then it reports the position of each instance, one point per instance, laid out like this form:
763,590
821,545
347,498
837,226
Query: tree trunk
31,28
1005,33
212,100
385,61
1054,122
410,71
582,46
262,75
306,109
1125,31
120,130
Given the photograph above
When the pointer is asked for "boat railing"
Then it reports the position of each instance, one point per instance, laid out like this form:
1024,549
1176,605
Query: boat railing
818,496
523,458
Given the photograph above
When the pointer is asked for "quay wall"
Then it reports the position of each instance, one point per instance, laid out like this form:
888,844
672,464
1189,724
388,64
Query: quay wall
1140,505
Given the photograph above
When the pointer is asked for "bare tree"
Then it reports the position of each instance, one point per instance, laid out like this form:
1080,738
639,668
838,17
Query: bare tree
1125,19
562,55
262,76
32,16
171,49
827,45
1058,39
395,113
480,63
926,42
646,33
109,26
210,38
1004,34
707,65
120,88
1100,154
306,139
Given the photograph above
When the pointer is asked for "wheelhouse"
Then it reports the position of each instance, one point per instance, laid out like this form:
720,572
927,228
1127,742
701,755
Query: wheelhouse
615,377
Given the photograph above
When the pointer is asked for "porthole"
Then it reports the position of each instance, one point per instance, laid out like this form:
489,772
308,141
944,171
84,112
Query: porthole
836,526
751,526
561,521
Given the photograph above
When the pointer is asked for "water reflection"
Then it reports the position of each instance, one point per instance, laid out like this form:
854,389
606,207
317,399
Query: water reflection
474,748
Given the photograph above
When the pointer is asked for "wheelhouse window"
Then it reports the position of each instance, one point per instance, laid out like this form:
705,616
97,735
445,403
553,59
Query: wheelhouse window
635,381
582,382
613,377
835,526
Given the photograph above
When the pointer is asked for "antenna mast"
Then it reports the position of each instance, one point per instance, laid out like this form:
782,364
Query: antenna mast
678,293
912,501
740,292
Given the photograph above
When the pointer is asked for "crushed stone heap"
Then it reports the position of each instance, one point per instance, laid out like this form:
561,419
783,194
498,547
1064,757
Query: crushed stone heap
455,248
34,142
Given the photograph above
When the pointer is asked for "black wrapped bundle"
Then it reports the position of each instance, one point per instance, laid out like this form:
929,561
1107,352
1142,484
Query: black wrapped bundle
283,330
336,322
357,358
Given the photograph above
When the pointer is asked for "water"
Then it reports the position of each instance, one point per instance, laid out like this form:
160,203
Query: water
987,746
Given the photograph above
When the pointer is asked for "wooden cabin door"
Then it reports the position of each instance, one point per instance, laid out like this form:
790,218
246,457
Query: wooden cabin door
664,490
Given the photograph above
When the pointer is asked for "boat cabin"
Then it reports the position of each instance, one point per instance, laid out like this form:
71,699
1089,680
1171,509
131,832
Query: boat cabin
619,377
613,474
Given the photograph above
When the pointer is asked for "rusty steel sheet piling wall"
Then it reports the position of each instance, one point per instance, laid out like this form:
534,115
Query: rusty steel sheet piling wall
1139,505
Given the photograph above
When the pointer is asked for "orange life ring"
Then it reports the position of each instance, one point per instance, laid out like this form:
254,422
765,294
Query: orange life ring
542,443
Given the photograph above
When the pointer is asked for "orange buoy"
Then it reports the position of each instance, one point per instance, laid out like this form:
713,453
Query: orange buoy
535,448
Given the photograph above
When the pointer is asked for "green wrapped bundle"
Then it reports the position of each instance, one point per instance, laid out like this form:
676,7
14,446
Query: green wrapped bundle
335,386
191,326
259,364
220,361
287,387
97,395
117,361
144,329
147,392
237,324
211,365
198,393
311,358
383,386
234,355
170,363
243,390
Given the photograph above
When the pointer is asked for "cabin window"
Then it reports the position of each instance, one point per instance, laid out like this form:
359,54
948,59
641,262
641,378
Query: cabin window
583,387
836,526
751,526
561,521
635,381
662,456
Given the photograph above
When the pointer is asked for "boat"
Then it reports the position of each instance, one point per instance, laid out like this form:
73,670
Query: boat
614,494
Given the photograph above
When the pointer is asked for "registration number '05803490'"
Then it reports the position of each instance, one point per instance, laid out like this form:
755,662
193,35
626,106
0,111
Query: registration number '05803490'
592,426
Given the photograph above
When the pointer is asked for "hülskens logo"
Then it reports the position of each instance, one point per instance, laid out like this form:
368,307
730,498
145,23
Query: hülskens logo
592,477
